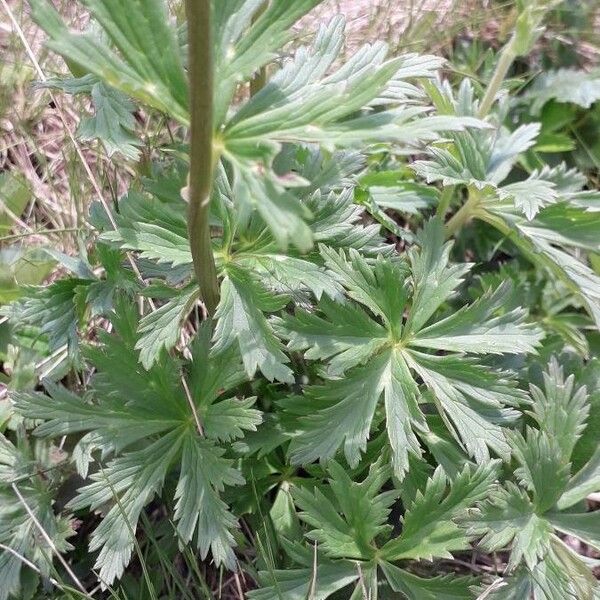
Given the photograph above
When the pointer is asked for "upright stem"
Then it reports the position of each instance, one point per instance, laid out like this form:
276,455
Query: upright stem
200,68
523,36
507,57
466,212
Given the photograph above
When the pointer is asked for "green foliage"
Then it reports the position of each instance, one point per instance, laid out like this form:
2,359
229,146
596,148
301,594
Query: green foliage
404,282
150,421
564,86
528,516
113,122
547,216
146,66
383,360
352,523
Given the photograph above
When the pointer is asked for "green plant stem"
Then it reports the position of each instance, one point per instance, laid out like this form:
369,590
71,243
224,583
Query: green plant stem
464,215
507,57
201,151
467,211
445,200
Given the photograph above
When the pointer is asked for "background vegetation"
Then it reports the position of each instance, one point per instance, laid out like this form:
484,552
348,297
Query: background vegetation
105,346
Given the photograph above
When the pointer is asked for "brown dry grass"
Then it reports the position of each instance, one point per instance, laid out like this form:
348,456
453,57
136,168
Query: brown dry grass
395,22
36,133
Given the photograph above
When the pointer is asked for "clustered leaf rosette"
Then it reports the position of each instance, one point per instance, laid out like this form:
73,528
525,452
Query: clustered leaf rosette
377,394
385,339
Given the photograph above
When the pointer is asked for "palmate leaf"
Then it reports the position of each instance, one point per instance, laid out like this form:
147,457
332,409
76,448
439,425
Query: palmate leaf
113,122
288,274
560,409
380,287
293,108
160,329
320,169
200,510
434,278
349,521
561,574
153,228
552,244
86,417
297,584
474,328
157,230
563,85
144,418
558,215
529,196
474,402
508,518
333,218
285,272
483,159
428,527
413,66
347,527
54,309
389,190
336,222
284,214
345,408
526,518
547,216
344,335
146,65
53,314
377,349
247,40
133,480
